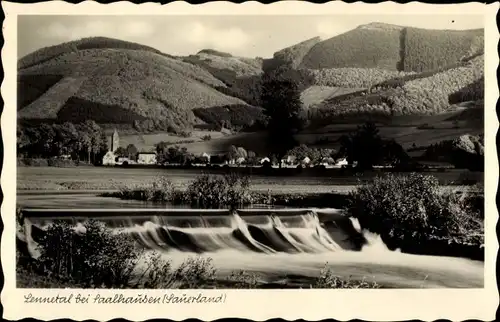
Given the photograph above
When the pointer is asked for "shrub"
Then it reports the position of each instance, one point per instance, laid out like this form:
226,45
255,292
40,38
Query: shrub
211,191
242,279
412,207
206,137
91,257
327,279
160,189
193,273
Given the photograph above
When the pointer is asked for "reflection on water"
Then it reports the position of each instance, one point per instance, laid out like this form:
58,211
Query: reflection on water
80,200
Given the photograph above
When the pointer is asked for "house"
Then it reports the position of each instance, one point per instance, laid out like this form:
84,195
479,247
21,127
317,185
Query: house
240,160
306,160
109,158
205,157
289,159
263,160
327,161
146,157
341,162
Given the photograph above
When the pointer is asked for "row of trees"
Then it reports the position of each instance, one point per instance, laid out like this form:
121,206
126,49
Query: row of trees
84,141
166,153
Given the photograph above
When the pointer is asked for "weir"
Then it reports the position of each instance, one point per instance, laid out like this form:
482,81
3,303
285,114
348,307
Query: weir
205,230
272,243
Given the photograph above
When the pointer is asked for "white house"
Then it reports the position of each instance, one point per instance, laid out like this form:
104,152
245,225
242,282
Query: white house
306,160
327,161
341,162
109,158
289,159
263,160
206,156
146,158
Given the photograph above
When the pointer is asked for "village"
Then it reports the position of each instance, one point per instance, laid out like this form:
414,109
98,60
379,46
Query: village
236,157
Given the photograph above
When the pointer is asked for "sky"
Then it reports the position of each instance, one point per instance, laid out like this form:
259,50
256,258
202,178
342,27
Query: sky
249,36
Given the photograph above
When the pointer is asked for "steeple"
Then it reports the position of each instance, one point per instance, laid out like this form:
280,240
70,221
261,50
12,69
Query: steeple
115,141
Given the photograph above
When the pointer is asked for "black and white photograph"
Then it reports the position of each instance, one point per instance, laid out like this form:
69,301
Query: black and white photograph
224,152
237,152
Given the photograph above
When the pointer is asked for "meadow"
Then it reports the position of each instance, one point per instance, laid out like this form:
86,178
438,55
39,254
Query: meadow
114,178
418,130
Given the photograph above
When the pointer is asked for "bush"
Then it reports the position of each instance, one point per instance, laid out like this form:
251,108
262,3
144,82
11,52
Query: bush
92,257
412,208
211,191
242,279
206,137
327,279
159,274
160,189
32,162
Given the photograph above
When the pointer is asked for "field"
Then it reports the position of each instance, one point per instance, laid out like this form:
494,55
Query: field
420,131
317,94
104,178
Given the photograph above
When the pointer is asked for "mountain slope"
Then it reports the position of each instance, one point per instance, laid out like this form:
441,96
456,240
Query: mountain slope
138,82
360,47
393,47
375,69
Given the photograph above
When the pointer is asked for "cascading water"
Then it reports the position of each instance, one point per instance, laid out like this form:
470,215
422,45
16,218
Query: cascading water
284,243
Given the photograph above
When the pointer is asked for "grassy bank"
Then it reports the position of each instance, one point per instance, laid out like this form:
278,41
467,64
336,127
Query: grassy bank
105,178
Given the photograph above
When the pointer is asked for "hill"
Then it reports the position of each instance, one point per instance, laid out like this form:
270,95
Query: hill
120,83
393,47
414,94
240,76
375,71
294,55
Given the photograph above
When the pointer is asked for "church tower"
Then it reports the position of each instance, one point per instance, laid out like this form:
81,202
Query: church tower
115,141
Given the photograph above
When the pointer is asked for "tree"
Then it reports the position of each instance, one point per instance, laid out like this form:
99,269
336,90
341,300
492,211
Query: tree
121,151
252,157
282,105
242,153
365,146
395,155
233,152
131,152
66,138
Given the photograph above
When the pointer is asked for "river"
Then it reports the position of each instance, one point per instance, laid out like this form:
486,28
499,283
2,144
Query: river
281,246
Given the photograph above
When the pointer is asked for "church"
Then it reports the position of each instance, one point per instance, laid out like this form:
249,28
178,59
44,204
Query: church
113,144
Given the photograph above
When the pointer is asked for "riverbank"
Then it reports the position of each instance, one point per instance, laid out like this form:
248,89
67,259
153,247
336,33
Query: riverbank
114,178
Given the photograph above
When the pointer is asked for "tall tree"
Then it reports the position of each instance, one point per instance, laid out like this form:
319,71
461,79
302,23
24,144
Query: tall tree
365,146
282,105
131,151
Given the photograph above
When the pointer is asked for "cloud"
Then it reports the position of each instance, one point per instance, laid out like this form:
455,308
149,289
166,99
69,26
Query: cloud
93,28
138,29
202,35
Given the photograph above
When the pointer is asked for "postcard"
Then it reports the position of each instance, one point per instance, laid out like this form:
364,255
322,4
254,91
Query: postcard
290,160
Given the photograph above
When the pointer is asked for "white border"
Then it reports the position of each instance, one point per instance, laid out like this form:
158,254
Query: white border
451,304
